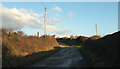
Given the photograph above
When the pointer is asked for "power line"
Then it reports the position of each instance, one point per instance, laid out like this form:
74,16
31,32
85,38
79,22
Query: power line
43,4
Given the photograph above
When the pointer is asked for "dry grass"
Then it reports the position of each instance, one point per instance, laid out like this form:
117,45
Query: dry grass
15,46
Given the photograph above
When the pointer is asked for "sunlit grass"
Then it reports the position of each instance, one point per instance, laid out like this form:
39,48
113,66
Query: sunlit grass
76,46
18,48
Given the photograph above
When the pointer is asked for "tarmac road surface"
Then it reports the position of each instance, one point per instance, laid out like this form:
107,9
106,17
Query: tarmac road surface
67,57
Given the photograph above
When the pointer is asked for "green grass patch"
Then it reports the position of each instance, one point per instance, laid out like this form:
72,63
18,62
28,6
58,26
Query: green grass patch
76,46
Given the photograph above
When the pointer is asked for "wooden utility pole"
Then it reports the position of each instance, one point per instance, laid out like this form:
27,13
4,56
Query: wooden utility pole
96,29
45,21
37,34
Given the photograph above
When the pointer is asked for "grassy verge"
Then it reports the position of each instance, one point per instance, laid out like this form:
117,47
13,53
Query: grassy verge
19,50
20,61
76,46
88,55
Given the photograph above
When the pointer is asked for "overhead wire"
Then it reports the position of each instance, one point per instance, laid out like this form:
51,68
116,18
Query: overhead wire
43,4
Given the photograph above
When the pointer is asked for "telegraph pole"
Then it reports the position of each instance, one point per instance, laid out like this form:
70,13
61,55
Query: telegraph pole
45,21
96,29
37,34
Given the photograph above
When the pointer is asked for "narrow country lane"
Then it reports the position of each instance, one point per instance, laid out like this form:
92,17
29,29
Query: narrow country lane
67,57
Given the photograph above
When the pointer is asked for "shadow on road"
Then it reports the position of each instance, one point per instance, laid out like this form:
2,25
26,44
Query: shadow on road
67,57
